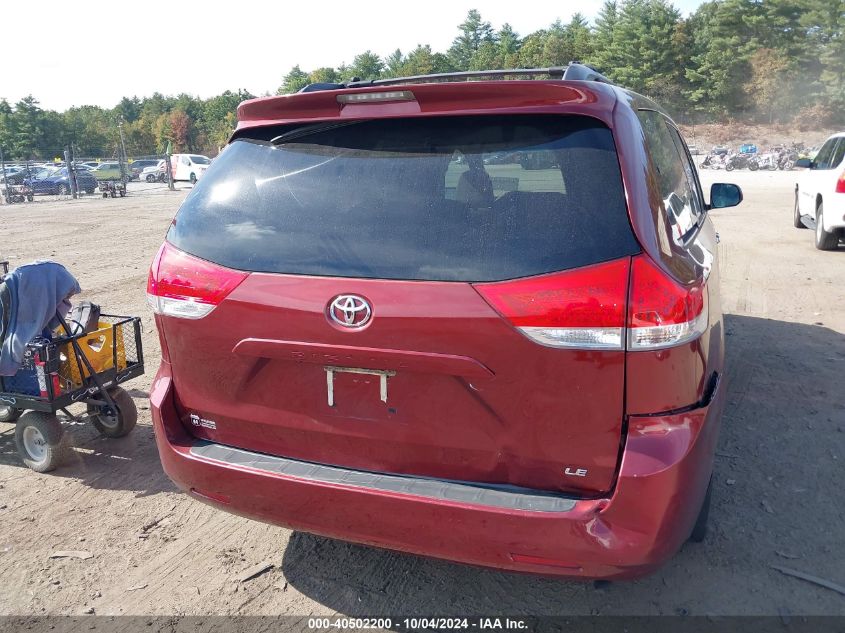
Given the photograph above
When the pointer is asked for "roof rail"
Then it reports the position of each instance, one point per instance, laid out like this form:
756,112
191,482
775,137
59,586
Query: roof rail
574,71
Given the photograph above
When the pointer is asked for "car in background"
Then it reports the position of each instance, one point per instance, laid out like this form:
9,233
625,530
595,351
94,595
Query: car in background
138,166
57,182
720,150
820,193
748,148
189,167
107,171
694,150
28,174
365,337
154,173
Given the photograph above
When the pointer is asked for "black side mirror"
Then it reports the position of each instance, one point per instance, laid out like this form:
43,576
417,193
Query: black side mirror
805,163
723,195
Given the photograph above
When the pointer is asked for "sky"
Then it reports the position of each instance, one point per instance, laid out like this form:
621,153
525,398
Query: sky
87,54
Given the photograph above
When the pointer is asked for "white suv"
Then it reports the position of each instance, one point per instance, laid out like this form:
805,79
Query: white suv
820,193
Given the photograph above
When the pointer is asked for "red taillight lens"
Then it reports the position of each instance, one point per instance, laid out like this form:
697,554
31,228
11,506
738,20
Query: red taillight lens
662,312
582,308
586,308
840,184
185,286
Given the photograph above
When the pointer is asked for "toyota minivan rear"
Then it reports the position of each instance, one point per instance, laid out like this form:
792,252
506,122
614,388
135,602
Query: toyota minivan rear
413,318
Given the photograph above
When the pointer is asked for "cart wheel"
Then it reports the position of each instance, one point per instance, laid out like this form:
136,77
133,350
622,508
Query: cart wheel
113,423
9,414
41,441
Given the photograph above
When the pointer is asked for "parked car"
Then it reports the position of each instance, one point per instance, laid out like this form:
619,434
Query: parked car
189,167
154,173
694,150
57,183
363,338
138,166
820,193
28,174
748,148
108,171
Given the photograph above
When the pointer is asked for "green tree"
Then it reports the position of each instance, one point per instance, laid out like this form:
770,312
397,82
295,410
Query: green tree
723,38
603,34
366,65
770,73
393,64
294,81
824,22
324,75
474,32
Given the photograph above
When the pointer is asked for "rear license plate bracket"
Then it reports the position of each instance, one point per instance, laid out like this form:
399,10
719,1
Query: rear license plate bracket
382,374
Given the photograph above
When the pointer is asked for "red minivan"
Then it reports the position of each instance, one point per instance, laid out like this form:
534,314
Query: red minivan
475,320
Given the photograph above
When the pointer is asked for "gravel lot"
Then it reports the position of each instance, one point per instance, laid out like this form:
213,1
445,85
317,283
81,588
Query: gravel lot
778,498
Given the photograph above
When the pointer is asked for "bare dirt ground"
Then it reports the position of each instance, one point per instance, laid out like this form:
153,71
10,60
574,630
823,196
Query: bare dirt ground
778,495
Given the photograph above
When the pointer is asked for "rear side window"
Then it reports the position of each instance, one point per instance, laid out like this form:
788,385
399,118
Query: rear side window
437,198
838,154
825,158
681,202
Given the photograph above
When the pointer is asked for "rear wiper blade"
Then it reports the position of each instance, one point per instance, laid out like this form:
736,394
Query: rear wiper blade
308,130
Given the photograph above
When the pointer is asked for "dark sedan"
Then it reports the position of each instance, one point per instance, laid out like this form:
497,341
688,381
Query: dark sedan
57,182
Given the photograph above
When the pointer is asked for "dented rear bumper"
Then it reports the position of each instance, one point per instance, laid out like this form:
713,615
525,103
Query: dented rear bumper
662,480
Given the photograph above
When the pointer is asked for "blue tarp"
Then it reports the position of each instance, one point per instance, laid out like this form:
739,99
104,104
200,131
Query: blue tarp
37,292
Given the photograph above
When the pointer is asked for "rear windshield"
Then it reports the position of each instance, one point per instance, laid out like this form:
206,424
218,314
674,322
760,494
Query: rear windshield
448,198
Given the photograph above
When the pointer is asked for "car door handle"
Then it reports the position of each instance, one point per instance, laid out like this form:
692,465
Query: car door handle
718,239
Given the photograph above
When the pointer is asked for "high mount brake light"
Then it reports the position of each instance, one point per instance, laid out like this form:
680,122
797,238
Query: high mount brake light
840,184
185,286
370,97
585,308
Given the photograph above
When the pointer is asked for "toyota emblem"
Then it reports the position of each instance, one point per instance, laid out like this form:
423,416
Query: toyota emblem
350,311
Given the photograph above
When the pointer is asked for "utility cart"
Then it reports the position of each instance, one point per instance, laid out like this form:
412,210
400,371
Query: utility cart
112,188
68,369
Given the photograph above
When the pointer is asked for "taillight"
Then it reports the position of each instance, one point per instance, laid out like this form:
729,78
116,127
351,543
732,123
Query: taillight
585,308
662,312
582,308
840,184
185,286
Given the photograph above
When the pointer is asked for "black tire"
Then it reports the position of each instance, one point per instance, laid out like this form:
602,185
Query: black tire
699,530
9,414
753,166
30,198
796,216
115,423
41,441
62,190
824,241
729,167
89,191
151,178
193,178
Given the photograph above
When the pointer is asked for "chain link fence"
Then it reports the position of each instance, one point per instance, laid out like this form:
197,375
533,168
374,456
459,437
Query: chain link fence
70,175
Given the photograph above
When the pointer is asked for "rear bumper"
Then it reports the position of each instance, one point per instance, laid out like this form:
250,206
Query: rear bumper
665,469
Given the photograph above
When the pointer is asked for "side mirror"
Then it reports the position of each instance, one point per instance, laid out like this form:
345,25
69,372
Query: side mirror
804,163
723,195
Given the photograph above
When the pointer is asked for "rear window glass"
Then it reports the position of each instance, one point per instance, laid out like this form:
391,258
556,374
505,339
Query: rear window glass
447,198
